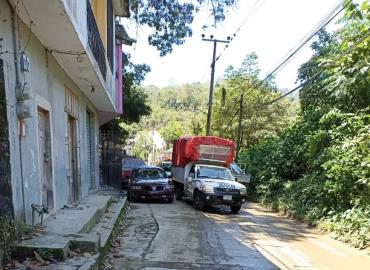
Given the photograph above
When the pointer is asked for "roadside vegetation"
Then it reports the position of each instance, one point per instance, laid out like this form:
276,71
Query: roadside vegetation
318,170
308,154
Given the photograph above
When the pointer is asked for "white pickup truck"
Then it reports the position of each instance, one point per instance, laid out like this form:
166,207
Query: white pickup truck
203,176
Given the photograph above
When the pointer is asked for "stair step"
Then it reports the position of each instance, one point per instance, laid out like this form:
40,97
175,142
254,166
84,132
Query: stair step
54,245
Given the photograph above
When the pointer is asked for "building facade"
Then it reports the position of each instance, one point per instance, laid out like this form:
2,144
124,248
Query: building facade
59,81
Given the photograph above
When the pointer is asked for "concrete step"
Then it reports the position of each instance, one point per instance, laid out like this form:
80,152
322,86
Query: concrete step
108,225
68,226
103,232
97,240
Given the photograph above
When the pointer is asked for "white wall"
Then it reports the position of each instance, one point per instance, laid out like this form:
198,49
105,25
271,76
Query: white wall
47,81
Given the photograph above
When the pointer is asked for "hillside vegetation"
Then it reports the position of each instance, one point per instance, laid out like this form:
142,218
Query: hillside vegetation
318,170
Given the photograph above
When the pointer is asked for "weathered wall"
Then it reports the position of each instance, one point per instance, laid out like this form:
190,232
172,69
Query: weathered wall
6,207
6,54
47,81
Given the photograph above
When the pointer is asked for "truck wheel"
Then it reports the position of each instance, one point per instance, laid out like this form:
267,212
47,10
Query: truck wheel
178,193
197,201
235,208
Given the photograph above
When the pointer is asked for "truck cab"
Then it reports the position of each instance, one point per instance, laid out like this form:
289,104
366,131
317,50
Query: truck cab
212,185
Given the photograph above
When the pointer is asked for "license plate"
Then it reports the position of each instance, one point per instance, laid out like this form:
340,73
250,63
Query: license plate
228,197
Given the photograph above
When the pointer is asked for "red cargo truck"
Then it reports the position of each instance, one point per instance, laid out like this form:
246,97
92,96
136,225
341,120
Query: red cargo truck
200,171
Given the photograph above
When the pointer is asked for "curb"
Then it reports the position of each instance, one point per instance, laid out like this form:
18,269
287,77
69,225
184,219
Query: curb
96,261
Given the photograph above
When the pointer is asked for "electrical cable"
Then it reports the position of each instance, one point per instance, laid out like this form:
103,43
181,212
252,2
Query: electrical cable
323,23
349,49
319,73
257,5
29,29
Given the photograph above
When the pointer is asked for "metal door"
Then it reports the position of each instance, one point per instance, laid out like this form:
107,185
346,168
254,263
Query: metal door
45,158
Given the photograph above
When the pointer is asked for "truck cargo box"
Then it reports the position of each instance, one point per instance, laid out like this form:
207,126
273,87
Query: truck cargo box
205,149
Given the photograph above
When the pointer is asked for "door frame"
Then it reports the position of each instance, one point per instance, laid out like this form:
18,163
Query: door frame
74,195
45,105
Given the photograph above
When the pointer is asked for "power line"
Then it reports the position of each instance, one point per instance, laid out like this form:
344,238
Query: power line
261,106
349,49
213,67
322,24
250,14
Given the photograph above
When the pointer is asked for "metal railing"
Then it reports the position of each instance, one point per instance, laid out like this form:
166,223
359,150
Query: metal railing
111,154
95,41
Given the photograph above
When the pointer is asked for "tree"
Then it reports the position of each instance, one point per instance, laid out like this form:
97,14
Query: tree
171,21
338,73
135,100
171,132
318,169
259,121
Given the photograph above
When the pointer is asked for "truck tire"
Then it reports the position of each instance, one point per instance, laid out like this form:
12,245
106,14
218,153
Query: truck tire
178,192
235,208
197,201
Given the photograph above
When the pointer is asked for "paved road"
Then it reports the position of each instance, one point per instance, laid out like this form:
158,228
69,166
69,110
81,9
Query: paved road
175,236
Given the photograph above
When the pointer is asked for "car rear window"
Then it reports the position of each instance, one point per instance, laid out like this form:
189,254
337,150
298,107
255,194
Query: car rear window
130,163
148,174
166,166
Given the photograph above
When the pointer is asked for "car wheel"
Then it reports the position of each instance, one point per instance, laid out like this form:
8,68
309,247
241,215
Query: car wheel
197,201
235,208
170,200
129,197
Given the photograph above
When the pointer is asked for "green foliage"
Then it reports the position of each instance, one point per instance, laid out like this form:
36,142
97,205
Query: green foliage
176,111
170,21
135,100
353,225
171,132
7,232
317,174
319,169
7,236
259,121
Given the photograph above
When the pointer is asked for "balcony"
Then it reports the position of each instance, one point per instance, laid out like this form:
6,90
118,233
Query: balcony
67,28
94,40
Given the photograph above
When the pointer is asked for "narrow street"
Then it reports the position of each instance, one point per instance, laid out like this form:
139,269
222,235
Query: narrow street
175,236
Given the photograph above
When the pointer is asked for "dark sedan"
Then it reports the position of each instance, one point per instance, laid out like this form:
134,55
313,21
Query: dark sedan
128,163
149,182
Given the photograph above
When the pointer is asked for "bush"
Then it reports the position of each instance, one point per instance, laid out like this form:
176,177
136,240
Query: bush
319,175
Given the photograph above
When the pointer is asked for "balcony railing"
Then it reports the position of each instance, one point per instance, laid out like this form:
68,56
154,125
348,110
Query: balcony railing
95,41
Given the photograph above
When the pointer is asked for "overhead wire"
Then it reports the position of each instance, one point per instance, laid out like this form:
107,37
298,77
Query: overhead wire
349,49
257,5
333,13
361,40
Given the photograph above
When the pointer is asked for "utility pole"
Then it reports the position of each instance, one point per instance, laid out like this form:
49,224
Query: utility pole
238,143
213,65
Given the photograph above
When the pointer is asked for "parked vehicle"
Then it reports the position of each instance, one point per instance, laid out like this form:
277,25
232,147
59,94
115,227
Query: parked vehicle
199,171
239,174
166,166
150,182
128,163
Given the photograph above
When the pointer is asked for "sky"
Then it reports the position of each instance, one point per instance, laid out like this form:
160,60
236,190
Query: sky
269,27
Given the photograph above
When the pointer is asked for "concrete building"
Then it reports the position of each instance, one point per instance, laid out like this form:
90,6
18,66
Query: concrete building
60,79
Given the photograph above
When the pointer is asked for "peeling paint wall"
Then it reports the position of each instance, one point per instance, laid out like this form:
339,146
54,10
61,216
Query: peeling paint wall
6,50
6,206
46,81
